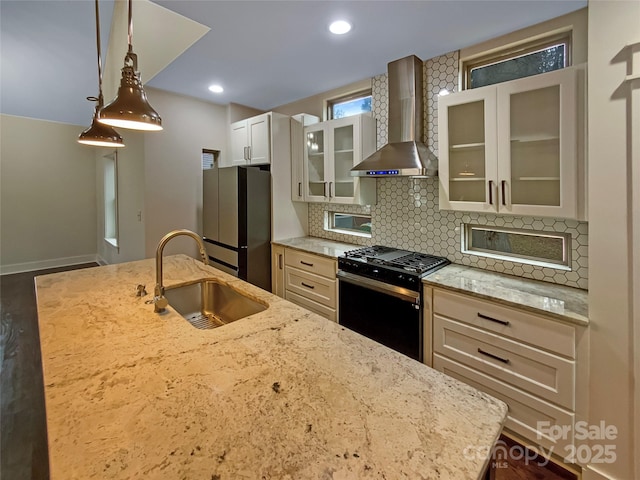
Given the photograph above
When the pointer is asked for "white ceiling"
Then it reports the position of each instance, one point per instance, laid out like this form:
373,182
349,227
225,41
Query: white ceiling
265,53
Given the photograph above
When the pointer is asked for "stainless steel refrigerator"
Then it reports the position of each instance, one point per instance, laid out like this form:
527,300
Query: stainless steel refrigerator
236,210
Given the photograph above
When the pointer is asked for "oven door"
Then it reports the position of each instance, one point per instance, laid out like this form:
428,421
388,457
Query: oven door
385,313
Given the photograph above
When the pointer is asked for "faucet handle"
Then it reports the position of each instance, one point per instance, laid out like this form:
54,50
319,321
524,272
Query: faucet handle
140,290
160,303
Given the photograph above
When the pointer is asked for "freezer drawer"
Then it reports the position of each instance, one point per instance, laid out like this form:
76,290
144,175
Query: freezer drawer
220,256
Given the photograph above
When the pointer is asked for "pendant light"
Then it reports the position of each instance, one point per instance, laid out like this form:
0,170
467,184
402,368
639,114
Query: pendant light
98,134
130,109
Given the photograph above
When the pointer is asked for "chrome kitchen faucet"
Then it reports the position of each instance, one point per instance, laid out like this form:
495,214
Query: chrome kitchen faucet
160,302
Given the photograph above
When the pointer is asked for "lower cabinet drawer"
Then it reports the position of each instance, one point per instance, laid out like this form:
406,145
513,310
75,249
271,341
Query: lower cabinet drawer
311,263
508,322
319,289
525,410
536,371
322,310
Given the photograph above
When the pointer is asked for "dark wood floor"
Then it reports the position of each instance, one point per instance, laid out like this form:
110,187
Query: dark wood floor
23,437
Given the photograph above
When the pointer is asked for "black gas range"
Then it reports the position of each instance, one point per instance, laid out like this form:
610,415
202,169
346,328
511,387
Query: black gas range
391,265
380,295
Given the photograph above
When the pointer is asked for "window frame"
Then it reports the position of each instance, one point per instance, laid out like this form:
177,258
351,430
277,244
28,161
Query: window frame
515,51
330,226
346,98
468,248
110,200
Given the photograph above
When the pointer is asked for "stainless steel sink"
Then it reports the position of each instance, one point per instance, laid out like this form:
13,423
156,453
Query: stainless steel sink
209,304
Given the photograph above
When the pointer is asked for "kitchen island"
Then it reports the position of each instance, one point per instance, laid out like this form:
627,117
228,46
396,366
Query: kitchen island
281,394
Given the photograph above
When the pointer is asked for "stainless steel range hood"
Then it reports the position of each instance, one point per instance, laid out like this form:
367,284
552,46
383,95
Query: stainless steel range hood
405,154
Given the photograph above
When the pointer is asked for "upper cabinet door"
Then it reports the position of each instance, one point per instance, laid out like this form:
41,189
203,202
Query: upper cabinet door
537,119
316,163
259,135
345,148
332,149
512,147
238,143
467,140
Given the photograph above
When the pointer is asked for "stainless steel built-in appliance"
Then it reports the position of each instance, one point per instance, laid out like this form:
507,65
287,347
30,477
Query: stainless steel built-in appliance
380,295
236,220
405,154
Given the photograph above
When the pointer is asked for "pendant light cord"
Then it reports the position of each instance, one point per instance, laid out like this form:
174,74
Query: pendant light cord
130,56
130,34
100,98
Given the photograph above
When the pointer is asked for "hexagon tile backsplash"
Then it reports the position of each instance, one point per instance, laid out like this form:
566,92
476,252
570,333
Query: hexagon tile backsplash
407,213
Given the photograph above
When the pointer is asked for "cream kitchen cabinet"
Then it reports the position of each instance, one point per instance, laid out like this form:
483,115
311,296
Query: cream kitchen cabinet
527,360
306,279
331,149
513,147
250,141
298,122
277,270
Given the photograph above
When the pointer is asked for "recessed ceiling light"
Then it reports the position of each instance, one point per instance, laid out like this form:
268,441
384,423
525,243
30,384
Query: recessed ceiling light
340,27
216,89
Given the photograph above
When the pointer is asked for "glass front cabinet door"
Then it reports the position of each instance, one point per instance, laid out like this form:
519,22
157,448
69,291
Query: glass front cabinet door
316,163
512,147
332,149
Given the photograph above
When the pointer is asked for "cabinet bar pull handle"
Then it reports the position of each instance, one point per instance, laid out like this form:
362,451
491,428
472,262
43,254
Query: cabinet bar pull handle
249,153
490,192
306,263
280,261
308,286
330,185
486,317
503,183
491,355
299,189
246,157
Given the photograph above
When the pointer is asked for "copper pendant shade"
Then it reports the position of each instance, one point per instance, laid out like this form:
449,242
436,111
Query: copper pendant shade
130,109
99,135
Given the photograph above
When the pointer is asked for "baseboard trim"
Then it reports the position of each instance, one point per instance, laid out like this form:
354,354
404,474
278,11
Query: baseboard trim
44,264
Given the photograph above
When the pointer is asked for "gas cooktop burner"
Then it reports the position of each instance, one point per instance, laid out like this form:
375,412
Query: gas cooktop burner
391,265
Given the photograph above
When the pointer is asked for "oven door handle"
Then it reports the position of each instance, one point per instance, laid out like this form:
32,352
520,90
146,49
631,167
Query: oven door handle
398,292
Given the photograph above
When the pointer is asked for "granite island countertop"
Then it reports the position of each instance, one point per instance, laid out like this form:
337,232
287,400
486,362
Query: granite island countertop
282,394
553,301
317,246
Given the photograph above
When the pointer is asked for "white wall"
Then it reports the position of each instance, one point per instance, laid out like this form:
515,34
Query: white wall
612,25
173,166
47,195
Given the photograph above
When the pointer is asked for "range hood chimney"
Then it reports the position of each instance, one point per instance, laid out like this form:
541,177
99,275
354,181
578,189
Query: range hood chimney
405,154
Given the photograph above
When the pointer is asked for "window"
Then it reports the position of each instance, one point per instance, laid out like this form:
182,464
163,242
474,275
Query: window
530,59
546,249
351,224
111,198
349,105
